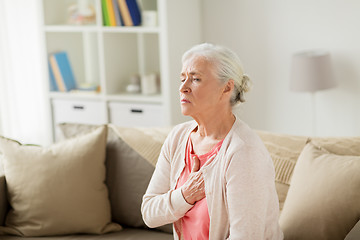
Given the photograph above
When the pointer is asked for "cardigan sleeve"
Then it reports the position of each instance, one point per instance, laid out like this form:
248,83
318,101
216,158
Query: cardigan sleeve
162,205
249,190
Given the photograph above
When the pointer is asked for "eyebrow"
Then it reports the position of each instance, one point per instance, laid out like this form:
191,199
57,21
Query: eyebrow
191,73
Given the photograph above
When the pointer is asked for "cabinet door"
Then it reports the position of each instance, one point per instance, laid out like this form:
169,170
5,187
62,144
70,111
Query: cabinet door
79,111
136,115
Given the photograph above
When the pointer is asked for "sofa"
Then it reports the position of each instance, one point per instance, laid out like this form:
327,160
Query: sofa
90,184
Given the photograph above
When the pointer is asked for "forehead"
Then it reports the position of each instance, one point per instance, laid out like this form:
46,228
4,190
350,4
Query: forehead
196,64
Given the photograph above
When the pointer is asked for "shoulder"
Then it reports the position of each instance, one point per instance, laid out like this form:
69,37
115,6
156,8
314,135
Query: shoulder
181,129
246,149
179,133
244,137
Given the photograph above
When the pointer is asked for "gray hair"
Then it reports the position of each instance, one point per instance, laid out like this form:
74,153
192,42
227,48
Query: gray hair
228,67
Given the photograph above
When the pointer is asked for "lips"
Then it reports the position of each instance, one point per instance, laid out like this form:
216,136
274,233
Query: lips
183,100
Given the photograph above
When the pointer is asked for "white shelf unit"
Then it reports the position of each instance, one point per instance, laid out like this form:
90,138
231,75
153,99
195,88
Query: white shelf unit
110,56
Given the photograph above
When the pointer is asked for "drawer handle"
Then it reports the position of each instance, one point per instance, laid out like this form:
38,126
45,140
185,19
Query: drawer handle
136,110
78,107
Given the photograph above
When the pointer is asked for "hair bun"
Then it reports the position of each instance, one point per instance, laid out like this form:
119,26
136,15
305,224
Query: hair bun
245,83
244,87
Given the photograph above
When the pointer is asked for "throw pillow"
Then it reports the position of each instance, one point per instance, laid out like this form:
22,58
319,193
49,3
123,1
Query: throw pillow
323,199
3,199
284,150
131,154
58,189
339,145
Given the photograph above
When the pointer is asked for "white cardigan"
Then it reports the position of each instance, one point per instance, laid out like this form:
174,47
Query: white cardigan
239,186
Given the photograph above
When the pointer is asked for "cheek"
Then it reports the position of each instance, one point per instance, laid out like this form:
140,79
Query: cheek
206,91
198,91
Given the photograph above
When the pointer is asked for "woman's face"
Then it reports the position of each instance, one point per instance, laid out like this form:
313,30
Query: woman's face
200,91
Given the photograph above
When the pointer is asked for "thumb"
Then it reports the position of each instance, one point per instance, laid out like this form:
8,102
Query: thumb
196,164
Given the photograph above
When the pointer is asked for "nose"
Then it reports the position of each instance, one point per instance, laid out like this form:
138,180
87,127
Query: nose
184,87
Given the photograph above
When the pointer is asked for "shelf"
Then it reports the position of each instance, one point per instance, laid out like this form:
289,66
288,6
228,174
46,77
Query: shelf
111,57
135,98
93,28
131,29
125,97
70,28
76,95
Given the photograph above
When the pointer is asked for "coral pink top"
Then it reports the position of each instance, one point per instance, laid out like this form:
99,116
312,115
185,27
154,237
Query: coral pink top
195,223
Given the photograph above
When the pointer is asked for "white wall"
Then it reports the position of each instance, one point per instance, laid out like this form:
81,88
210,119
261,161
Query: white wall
266,33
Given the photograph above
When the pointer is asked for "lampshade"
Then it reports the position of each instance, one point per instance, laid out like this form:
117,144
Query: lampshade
311,71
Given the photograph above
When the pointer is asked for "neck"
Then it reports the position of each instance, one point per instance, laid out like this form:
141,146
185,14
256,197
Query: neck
215,125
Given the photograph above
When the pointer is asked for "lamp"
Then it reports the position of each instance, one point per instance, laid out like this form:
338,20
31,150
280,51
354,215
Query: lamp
311,71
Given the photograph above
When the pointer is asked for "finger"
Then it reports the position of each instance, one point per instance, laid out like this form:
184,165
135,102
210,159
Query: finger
196,164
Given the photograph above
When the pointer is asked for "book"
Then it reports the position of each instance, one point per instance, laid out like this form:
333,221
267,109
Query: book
111,12
117,13
105,14
134,12
125,14
62,70
53,85
57,75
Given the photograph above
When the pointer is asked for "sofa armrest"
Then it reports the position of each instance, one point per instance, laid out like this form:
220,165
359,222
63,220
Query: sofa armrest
3,199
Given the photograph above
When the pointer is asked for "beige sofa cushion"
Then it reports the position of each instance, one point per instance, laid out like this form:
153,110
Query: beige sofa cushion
131,154
284,150
339,145
125,234
58,189
323,199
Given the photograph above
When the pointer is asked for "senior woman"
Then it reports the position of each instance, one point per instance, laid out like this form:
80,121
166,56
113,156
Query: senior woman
214,178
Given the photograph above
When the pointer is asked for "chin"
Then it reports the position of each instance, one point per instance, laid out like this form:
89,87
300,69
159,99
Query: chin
185,112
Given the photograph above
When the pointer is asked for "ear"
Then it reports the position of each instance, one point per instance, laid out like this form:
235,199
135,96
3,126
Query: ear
229,87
